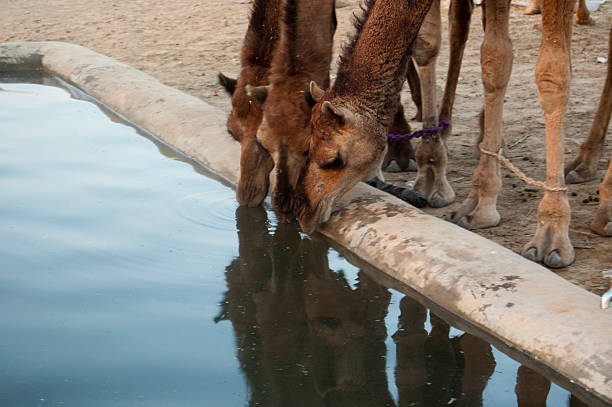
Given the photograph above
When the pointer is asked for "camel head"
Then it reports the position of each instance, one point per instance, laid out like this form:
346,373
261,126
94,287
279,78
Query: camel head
285,134
346,145
244,119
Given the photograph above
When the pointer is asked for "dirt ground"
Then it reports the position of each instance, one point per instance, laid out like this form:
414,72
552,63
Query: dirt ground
184,43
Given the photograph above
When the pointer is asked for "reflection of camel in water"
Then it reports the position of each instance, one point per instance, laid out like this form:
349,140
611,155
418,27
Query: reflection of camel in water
304,336
433,369
532,390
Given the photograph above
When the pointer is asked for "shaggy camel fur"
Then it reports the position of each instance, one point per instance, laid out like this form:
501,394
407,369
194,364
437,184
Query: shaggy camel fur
303,54
245,117
350,119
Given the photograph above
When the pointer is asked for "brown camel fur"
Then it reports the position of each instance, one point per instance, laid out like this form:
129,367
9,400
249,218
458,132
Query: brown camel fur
245,117
350,120
584,166
303,55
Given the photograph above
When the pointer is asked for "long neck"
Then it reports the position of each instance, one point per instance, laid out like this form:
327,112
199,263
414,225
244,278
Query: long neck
262,33
305,46
373,68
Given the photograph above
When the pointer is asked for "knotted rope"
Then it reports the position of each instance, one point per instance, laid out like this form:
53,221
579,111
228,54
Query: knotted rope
419,133
518,172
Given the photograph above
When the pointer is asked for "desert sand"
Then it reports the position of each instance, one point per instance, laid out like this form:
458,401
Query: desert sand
185,43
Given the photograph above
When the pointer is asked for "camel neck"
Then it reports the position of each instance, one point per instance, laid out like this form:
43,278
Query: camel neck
373,67
306,41
262,33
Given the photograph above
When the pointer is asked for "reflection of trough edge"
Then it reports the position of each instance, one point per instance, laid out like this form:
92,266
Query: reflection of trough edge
523,304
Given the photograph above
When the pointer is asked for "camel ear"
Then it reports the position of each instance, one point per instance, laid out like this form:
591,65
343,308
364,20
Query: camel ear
259,93
228,83
316,93
342,116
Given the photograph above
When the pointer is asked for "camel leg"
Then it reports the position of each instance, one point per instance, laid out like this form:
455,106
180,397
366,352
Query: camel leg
602,224
583,17
400,154
479,209
459,16
412,75
584,166
551,243
431,156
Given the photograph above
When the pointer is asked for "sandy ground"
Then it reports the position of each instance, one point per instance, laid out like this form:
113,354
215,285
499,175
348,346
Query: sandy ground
184,43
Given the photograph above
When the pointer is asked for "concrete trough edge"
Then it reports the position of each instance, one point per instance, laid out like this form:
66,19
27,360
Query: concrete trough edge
521,303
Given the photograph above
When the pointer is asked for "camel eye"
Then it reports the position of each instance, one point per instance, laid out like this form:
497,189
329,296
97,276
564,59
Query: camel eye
335,164
305,153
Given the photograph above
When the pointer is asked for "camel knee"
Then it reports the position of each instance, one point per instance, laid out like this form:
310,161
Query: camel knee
427,45
425,52
496,63
552,77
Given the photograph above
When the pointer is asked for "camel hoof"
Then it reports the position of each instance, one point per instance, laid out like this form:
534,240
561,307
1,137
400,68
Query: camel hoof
531,254
605,230
436,201
465,221
554,260
587,21
393,166
412,165
573,177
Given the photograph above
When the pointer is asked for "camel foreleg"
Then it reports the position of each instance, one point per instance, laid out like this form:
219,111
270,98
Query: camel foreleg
431,155
551,244
479,209
584,166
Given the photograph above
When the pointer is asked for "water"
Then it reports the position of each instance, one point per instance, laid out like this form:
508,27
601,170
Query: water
127,278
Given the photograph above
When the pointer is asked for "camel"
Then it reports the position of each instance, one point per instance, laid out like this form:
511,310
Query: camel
550,244
303,54
350,119
245,117
347,140
584,167
304,335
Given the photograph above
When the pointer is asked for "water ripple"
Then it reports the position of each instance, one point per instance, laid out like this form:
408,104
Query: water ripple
212,209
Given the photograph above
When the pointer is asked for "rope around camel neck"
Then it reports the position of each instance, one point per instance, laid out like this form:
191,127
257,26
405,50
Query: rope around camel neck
518,172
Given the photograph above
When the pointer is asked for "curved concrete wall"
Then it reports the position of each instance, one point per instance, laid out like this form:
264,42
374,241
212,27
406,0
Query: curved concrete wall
522,304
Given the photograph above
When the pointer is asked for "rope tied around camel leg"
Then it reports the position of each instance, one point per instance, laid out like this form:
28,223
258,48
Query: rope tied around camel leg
530,181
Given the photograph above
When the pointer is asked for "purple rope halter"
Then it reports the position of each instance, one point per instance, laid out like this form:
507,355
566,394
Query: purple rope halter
419,133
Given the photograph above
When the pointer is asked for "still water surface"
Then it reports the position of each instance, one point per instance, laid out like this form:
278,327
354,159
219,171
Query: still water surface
127,278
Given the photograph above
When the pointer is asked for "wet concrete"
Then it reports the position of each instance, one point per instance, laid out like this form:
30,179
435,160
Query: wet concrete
522,304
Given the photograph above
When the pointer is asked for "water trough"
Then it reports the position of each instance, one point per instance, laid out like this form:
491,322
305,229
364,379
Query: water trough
554,324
